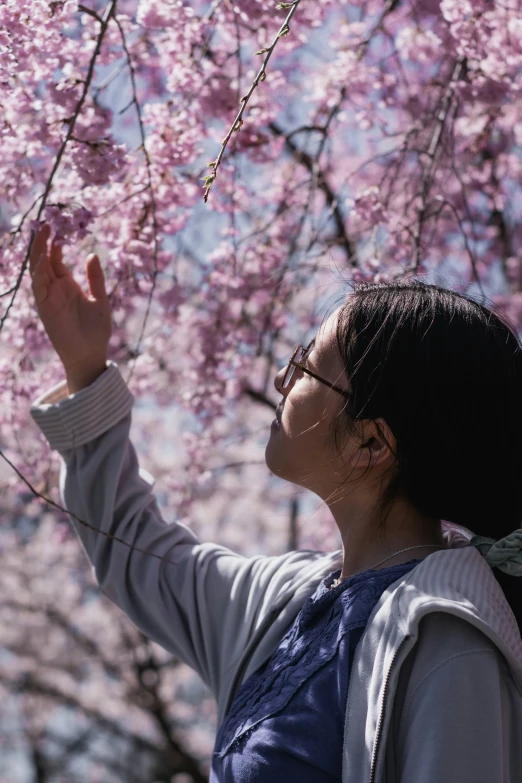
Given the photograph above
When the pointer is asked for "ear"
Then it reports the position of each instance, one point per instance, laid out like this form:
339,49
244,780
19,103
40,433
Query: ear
376,444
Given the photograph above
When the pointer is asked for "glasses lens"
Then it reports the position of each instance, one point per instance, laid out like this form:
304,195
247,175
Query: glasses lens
288,376
297,357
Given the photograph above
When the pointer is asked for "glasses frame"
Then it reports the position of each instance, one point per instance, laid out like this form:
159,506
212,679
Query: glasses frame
293,363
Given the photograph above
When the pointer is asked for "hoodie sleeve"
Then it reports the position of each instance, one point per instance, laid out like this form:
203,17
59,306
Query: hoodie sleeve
198,600
457,720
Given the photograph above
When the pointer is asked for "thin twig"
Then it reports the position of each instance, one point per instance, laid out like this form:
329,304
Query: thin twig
261,76
81,521
123,200
212,10
234,465
152,198
86,83
75,633
35,684
331,199
17,230
432,153
89,11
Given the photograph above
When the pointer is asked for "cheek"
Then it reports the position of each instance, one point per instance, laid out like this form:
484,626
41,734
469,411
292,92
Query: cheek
305,418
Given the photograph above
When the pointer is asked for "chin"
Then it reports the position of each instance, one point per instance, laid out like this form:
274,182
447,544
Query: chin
278,463
274,458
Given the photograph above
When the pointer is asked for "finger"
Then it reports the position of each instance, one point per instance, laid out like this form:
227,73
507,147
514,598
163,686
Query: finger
56,257
41,282
41,270
44,265
96,277
39,244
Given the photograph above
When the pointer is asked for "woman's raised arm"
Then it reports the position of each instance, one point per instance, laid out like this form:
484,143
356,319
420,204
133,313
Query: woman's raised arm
198,600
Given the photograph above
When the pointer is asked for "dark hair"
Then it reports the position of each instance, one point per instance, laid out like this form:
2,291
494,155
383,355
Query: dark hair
445,373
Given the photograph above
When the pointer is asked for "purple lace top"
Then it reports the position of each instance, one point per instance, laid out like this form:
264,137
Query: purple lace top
286,722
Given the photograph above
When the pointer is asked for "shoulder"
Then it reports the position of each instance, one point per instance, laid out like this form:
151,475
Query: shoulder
447,648
456,585
457,713
452,662
442,635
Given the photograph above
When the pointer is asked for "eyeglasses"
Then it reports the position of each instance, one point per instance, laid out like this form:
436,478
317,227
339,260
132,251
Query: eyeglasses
299,356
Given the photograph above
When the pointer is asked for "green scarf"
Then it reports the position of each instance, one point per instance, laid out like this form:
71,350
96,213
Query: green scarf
505,554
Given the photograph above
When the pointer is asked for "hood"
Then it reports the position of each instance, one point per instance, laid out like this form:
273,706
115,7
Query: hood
456,580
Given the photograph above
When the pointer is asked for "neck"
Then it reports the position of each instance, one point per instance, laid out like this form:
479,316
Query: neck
365,544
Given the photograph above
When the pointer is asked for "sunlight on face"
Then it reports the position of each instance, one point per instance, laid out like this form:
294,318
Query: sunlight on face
299,448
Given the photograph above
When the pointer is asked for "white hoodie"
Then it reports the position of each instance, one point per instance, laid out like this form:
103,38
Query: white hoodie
435,691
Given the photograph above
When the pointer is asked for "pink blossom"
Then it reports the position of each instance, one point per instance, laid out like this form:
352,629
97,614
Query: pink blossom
418,45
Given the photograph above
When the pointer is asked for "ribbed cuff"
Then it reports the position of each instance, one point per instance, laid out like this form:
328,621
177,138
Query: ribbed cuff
71,421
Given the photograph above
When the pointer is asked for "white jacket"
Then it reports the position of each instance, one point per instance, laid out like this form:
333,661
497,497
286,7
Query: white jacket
435,691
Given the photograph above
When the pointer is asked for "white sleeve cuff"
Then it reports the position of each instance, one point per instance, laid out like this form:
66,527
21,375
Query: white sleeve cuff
71,421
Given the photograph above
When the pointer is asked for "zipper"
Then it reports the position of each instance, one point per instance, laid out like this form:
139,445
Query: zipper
378,732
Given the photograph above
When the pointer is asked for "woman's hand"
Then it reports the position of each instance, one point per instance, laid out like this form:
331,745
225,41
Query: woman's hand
78,325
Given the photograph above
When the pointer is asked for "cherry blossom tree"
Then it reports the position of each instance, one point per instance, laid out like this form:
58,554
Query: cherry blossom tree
234,164
85,696
363,140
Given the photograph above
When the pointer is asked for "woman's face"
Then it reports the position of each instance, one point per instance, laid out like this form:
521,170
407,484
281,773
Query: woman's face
300,448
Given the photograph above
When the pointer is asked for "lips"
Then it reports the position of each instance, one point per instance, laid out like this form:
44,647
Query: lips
278,413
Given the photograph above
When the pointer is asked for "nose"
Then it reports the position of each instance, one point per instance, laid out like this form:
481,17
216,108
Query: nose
278,381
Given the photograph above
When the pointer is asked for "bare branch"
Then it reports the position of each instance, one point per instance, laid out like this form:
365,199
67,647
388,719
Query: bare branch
81,521
27,683
260,77
260,397
308,162
86,643
157,710
89,11
152,197
431,153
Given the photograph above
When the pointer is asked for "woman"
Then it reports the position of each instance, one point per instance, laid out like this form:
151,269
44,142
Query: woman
398,658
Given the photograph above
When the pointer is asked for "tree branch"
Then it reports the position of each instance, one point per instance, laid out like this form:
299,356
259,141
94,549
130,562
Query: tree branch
104,22
331,199
260,77
155,226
